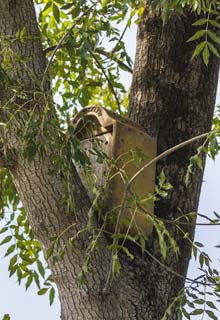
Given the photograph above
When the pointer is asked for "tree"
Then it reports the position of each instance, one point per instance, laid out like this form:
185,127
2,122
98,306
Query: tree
172,97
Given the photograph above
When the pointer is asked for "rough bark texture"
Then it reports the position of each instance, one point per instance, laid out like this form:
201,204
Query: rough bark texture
173,97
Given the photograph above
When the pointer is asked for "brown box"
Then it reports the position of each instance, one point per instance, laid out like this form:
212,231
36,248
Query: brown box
128,148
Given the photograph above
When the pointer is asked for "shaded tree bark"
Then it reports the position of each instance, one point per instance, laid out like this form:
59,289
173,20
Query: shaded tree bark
173,98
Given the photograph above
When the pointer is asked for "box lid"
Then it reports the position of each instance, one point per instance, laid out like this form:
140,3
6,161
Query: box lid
95,120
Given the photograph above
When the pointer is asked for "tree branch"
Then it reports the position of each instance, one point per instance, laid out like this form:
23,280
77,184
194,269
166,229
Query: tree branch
108,79
104,53
110,56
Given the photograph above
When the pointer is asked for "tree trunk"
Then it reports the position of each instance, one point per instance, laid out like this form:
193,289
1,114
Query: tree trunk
173,98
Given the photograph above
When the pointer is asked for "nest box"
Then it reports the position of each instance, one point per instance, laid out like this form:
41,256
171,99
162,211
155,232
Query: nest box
126,148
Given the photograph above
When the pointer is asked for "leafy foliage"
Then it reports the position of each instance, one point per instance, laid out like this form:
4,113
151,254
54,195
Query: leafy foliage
83,70
23,250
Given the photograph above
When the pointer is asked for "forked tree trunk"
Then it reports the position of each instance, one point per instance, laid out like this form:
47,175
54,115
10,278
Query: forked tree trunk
173,98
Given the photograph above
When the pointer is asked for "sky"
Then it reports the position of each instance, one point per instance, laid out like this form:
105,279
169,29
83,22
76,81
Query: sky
22,305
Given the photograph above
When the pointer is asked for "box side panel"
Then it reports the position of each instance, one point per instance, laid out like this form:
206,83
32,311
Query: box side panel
132,150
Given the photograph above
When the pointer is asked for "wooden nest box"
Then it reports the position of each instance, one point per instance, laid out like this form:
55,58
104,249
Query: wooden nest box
126,148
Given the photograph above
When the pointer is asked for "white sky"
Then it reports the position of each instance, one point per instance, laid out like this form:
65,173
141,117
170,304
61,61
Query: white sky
28,305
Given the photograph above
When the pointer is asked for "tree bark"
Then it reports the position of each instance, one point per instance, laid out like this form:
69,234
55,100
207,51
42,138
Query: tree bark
173,98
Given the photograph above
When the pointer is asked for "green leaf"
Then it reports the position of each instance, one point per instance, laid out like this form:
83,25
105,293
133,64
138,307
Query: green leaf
211,305
29,281
214,23
10,250
6,317
81,279
213,49
116,266
199,301
197,312
198,244
104,3
187,176
13,260
114,247
192,295
118,236
47,6
141,11
12,270
22,32
36,279
186,314
201,260
162,178
26,258
51,296
40,268
143,244
71,47
199,162
206,55
167,186
50,251
3,229
211,314
195,251
42,291
6,240
67,6
19,275
127,252
163,193
213,36
198,49
197,35
200,22
56,13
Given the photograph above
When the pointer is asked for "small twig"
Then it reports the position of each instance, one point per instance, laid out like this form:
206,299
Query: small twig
111,56
104,53
52,48
175,222
168,152
108,79
121,37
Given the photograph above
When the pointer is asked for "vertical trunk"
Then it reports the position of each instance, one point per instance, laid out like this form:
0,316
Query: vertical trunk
173,97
